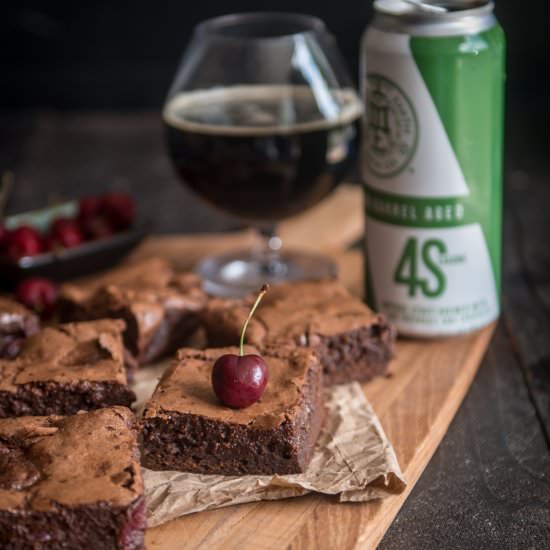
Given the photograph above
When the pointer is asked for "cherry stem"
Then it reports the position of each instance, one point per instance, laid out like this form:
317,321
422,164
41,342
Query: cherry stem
263,290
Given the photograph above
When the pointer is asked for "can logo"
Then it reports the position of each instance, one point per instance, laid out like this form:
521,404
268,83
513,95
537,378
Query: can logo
392,127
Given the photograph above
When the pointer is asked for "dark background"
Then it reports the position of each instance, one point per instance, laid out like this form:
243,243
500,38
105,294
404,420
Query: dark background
62,63
122,54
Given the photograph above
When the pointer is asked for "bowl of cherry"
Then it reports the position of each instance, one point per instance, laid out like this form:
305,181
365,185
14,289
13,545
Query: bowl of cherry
71,239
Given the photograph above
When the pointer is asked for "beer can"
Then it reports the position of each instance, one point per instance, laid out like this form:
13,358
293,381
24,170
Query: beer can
433,85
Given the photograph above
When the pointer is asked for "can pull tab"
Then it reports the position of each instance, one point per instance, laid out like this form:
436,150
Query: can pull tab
425,6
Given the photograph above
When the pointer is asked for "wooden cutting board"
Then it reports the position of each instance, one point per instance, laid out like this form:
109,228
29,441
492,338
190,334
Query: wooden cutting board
415,405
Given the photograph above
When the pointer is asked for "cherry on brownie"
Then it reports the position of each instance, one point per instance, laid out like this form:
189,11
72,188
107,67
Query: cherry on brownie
185,427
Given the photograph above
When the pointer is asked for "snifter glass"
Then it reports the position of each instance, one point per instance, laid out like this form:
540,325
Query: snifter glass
262,123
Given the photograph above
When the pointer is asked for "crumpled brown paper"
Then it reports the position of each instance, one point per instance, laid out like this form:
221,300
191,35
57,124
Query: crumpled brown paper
353,460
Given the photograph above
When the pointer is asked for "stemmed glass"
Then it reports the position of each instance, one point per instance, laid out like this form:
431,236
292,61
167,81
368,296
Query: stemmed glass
262,123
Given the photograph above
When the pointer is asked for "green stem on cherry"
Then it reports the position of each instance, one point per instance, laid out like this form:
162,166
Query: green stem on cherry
263,290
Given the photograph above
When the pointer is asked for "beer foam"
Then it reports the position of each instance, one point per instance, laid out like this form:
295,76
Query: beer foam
274,108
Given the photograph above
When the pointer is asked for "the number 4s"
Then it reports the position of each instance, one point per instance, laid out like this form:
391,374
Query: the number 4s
406,272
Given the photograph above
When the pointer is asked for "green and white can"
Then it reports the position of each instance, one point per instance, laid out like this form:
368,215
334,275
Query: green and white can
433,85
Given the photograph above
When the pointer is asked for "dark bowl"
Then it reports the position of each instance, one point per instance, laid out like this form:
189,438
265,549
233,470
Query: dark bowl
69,263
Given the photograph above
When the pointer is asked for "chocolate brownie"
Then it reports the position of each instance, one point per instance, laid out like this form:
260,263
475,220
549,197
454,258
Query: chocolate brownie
161,308
66,368
16,323
352,342
71,482
185,428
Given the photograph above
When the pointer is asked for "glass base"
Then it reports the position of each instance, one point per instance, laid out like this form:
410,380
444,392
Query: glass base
240,273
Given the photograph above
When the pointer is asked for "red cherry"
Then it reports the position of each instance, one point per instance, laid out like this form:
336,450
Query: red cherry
38,294
131,533
23,241
239,380
119,209
66,232
88,207
96,227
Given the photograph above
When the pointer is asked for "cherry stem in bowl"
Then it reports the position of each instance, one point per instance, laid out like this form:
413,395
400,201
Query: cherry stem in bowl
262,293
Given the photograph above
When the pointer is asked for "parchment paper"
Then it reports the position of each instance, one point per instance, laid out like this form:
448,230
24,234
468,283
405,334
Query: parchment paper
353,460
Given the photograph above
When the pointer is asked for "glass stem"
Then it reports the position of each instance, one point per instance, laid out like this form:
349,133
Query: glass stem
267,252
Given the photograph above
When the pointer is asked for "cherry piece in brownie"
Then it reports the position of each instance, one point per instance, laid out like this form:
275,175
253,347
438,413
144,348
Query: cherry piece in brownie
161,308
66,368
71,482
186,428
16,323
352,342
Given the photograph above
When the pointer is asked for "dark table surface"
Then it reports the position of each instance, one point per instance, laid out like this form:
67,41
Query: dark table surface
488,485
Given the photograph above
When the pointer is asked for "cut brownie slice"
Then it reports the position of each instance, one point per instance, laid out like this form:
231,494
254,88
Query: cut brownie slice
66,368
352,342
161,308
16,323
185,428
71,482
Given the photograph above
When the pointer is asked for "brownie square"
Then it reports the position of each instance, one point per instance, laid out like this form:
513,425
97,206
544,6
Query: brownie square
185,427
352,342
16,323
161,308
66,368
71,482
